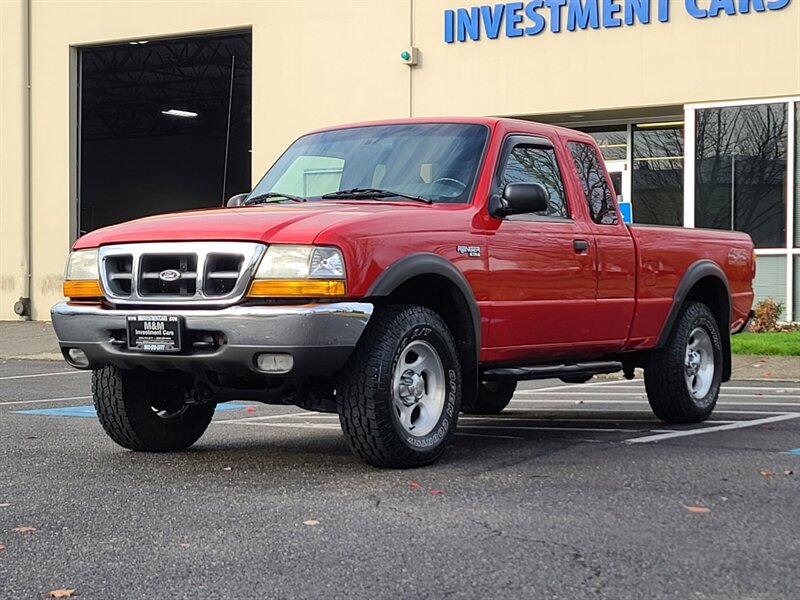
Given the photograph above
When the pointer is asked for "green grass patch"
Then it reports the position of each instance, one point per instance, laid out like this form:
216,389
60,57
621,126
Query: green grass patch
786,343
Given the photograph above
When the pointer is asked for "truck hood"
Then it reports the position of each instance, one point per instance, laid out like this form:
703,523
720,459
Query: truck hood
284,223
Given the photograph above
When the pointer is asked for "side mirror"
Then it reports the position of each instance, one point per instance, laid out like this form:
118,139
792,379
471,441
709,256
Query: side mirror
237,200
519,198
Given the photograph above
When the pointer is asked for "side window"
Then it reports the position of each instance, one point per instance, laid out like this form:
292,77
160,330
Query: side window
595,187
533,164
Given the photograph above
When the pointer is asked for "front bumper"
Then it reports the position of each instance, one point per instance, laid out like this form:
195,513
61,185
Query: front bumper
319,337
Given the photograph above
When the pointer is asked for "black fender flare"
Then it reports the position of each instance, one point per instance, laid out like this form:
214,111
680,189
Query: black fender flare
428,263
700,270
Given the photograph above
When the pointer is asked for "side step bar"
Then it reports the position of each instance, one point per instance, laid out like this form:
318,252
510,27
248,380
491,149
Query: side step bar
551,371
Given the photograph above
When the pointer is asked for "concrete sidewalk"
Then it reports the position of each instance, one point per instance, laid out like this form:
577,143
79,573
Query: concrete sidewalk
35,340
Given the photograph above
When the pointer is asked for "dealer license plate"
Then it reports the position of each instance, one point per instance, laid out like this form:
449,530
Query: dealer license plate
154,333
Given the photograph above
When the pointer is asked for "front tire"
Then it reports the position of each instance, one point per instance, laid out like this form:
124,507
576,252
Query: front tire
683,378
146,411
400,392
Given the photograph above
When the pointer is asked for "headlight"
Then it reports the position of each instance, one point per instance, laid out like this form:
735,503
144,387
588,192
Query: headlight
82,264
82,278
292,270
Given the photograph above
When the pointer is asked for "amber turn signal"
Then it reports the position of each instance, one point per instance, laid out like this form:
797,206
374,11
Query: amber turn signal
306,288
82,289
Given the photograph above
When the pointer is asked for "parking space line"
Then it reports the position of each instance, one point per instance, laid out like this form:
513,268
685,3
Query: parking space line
291,425
5,377
644,402
738,425
584,385
643,393
246,420
45,400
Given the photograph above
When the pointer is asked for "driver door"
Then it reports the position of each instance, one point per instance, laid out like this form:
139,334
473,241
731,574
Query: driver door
543,273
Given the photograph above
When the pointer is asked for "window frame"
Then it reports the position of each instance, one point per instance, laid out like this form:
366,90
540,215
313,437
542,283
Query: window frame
510,142
581,191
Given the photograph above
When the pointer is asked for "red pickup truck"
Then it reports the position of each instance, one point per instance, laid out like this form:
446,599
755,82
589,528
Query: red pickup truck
398,273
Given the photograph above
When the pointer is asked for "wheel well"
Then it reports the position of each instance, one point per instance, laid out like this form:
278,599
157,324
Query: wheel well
442,296
712,292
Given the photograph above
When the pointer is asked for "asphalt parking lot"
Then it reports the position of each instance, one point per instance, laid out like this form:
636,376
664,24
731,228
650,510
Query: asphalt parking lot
573,492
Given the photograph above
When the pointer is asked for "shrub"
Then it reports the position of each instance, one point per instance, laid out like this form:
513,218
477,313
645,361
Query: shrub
767,313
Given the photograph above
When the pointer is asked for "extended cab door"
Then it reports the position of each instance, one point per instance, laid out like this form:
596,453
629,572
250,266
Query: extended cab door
613,243
542,265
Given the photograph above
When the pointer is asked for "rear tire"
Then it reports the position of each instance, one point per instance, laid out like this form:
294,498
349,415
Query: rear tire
683,378
146,411
400,392
493,397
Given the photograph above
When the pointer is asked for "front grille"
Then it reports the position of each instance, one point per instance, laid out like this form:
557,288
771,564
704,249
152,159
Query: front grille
191,272
182,266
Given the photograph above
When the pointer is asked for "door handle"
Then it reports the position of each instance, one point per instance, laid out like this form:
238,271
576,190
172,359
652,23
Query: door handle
580,245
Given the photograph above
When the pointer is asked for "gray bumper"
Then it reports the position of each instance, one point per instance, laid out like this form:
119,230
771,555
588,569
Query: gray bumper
320,337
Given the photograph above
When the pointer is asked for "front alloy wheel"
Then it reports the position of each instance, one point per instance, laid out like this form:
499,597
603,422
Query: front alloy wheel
399,393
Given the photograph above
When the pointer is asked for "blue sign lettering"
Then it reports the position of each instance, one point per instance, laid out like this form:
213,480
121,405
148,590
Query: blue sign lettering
532,17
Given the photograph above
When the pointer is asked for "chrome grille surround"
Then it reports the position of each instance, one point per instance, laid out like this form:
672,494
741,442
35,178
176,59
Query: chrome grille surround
210,273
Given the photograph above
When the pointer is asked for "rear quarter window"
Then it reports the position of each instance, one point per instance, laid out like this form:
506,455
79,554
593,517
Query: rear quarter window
595,186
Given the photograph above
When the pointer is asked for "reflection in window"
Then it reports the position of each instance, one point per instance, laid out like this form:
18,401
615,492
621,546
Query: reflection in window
595,186
529,164
657,178
612,141
740,180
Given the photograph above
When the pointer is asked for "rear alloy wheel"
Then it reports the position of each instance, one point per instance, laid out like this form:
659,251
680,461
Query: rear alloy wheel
399,394
146,411
683,378
493,397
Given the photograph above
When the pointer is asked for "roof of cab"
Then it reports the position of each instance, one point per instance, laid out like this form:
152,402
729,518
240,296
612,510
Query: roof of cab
509,125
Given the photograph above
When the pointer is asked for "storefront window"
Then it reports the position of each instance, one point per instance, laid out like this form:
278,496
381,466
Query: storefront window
740,173
658,174
612,141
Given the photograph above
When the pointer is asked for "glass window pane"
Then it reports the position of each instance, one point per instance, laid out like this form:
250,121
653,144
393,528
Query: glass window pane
529,164
770,281
740,180
657,178
612,141
595,186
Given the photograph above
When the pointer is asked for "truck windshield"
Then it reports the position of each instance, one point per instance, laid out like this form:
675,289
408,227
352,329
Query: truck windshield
437,162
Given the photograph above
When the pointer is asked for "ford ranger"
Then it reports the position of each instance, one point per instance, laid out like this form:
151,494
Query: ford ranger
399,273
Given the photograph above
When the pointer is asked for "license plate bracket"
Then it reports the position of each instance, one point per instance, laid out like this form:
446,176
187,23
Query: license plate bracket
155,333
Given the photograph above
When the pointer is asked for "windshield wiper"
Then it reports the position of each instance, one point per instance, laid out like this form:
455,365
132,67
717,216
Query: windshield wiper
265,198
373,193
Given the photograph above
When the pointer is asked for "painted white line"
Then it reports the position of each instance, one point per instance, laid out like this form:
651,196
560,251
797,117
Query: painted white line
583,385
642,393
45,375
246,420
331,426
588,429
644,402
45,400
774,389
704,430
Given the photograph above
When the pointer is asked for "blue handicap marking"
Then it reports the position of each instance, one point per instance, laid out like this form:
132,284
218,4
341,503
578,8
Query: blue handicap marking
88,411
795,451
626,210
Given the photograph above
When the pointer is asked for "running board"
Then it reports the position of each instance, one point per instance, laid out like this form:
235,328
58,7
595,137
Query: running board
551,371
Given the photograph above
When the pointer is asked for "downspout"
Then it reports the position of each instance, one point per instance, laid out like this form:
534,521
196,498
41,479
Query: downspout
28,284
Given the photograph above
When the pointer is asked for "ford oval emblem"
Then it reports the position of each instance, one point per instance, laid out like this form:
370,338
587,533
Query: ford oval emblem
169,275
